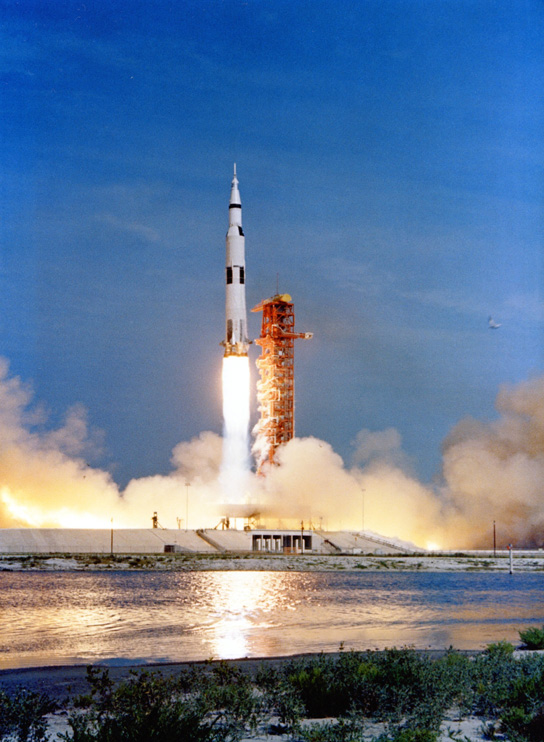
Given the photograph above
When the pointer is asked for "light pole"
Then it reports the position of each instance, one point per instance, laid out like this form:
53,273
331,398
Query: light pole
187,485
363,505
494,540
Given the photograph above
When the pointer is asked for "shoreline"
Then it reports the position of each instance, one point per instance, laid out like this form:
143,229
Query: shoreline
61,681
481,561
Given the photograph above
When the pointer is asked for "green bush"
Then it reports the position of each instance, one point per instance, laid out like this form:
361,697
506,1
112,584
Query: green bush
455,676
315,684
521,726
522,712
152,708
344,730
334,686
494,673
532,638
409,735
22,716
500,649
278,699
410,690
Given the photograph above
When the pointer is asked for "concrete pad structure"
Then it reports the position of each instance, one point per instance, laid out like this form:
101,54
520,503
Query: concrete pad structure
208,541
364,542
99,541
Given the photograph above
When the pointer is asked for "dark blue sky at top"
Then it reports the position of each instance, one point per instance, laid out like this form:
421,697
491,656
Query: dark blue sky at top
390,157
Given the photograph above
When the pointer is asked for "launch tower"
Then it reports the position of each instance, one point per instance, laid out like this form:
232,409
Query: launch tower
276,388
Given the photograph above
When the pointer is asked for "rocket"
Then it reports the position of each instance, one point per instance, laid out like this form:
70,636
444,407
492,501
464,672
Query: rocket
236,342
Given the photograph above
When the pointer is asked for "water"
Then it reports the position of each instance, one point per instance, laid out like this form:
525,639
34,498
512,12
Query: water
73,617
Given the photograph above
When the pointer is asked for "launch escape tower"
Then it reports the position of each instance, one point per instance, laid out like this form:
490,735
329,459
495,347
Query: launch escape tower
276,388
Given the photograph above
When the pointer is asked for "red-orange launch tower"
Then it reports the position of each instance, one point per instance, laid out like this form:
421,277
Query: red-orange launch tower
276,388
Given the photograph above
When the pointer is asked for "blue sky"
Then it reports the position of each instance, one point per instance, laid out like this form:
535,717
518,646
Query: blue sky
390,157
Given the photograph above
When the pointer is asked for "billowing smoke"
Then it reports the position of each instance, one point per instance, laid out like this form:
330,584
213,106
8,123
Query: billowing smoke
44,477
495,471
491,472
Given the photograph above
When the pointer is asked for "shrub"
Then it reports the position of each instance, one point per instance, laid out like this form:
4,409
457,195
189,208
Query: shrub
333,686
22,716
410,690
344,730
532,638
314,683
279,699
522,715
494,672
396,686
409,735
500,649
521,726
455,675
151,708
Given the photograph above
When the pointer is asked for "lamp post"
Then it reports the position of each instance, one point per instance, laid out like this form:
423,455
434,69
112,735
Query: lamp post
494,540
187,485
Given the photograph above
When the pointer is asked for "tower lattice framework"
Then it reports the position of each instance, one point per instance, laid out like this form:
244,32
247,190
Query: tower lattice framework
276,388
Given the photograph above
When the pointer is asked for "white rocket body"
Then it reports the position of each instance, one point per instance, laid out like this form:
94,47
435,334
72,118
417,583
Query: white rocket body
236,341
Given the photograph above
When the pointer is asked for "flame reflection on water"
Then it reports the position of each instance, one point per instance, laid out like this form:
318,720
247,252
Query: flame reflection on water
63,618
245,607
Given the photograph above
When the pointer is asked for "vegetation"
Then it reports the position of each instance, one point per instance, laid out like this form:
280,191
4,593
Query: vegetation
23,716
148,707
182,561
328,698
532,638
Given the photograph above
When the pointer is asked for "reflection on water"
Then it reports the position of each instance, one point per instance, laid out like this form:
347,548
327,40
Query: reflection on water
241,606
65,618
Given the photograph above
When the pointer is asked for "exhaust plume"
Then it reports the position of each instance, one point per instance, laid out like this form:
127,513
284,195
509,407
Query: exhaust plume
235,466
490,472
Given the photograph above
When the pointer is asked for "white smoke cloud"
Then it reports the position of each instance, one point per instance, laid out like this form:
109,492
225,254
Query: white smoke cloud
495,471
491,471
199,460
381,445
311,485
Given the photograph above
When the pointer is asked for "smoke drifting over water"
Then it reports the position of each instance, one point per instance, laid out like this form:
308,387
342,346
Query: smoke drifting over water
491,472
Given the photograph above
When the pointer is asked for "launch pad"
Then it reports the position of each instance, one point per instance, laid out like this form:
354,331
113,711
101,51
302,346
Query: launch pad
210,541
